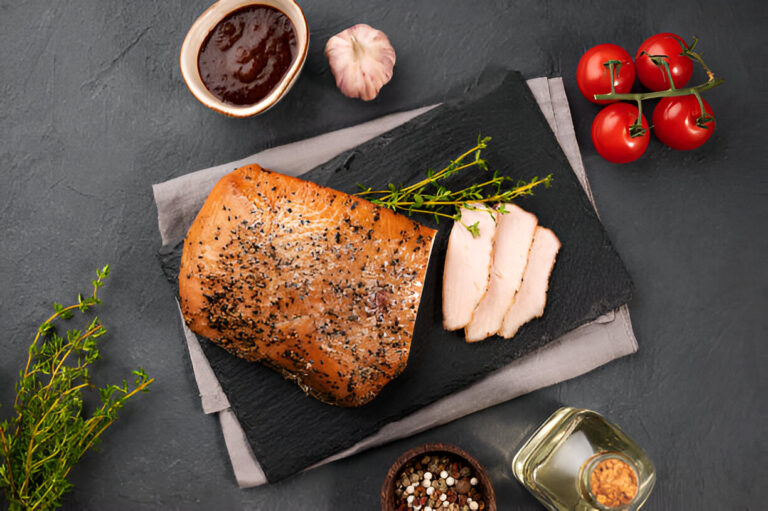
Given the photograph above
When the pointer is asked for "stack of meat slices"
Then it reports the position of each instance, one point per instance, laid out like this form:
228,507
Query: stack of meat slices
496,280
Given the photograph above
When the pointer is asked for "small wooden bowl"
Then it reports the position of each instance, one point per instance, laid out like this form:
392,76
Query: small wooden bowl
388,488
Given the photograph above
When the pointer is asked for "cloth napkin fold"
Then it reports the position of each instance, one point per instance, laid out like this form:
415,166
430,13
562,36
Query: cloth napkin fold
607,338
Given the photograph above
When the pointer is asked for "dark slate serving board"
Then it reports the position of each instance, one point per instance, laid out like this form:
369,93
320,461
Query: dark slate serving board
289,431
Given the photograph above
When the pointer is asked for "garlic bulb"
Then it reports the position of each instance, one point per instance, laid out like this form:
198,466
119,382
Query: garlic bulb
361,60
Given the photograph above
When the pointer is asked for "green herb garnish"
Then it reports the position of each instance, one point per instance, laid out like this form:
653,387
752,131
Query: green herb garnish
431,197
51,432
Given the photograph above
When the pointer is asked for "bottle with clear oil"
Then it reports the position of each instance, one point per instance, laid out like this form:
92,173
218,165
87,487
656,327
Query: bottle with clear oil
577,460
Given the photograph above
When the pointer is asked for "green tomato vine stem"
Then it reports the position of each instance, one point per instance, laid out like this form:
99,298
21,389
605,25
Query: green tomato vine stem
704,118
636,129
642,96
613,67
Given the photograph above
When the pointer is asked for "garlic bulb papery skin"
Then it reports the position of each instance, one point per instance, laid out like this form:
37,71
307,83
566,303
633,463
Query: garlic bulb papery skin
361,60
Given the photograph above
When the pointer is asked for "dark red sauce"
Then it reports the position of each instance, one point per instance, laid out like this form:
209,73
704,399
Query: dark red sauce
247,54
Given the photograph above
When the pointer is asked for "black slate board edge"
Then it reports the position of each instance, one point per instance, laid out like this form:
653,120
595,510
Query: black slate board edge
259,412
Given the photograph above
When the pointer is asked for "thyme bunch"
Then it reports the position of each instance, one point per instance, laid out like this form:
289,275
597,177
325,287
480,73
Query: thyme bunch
51,431
431,196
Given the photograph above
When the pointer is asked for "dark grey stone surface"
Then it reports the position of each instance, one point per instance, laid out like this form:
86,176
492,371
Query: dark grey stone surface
93,111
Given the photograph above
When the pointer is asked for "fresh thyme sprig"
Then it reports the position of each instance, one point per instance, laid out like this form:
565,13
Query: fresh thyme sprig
430,196
51,432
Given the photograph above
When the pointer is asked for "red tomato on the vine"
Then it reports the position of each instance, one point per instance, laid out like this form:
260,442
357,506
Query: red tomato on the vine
674,122
594,77
611,133
655,77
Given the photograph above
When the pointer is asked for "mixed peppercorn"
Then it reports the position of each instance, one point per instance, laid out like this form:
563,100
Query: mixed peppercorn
438,483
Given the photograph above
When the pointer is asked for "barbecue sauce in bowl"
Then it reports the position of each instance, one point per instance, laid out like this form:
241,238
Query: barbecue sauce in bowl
247,54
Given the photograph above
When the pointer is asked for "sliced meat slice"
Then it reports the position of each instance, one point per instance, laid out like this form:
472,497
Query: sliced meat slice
467,265
514,237
532,296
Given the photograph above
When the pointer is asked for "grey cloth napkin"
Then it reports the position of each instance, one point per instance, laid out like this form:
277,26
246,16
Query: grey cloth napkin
577,352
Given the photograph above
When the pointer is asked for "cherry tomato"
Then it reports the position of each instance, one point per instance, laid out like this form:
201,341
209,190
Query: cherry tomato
593,77
674,122
655,77
611,133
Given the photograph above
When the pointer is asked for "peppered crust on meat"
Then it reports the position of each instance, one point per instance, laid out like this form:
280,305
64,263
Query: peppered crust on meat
320,285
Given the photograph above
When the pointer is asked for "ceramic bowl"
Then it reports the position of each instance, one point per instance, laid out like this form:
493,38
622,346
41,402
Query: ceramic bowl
388,488
207,22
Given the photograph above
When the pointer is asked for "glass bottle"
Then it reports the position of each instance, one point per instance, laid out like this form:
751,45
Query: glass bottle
577,460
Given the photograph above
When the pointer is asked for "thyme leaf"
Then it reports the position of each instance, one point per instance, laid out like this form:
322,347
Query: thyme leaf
430,195
51,430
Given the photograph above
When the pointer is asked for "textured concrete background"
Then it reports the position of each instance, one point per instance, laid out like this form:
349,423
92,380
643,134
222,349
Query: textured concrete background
93,111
